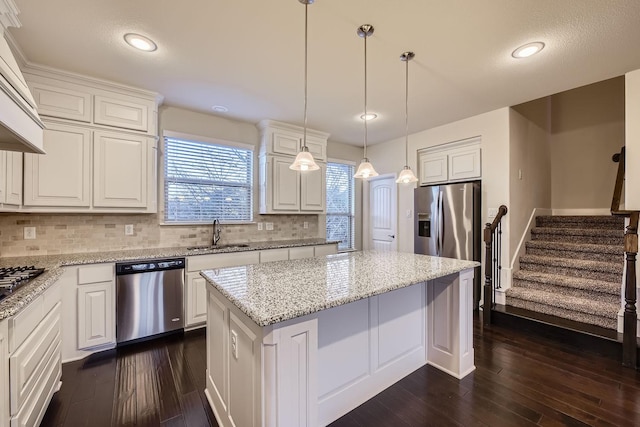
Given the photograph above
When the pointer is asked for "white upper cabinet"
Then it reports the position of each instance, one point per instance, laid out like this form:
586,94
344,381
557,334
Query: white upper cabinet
121,113
62,177
77,100
120,170
10,179
457,161
283,190
60,102
101,147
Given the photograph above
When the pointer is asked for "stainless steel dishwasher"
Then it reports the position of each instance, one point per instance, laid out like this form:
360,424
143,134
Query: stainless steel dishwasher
149,298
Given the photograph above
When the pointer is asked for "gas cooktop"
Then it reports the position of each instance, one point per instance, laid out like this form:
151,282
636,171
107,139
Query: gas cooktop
13,277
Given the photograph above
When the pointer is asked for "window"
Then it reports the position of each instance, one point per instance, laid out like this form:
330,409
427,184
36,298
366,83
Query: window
205,180
340,204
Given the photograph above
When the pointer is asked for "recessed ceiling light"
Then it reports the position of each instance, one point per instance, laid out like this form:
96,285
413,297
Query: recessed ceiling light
368,116
140,42
527,50
220,108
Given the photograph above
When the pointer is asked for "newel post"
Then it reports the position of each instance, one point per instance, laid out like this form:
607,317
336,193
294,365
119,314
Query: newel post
488,279
629,342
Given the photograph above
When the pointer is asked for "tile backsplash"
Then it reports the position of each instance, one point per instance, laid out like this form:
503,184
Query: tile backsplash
73,233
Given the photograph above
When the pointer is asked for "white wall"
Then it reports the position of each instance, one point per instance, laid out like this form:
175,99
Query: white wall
530,165
587,128
632,139
491,127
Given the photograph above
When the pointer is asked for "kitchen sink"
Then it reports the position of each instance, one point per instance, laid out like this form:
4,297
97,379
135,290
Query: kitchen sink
212,248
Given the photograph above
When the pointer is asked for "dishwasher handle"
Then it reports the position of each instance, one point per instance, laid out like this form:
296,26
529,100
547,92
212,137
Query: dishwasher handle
146,266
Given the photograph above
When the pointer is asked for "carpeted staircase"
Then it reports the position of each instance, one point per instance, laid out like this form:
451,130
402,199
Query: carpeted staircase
572,269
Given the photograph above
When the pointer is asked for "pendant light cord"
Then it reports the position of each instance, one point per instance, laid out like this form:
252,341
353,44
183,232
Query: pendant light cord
304,140
365,96
406,114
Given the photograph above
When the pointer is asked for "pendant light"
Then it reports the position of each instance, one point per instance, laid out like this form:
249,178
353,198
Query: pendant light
365,170
304,160
406,176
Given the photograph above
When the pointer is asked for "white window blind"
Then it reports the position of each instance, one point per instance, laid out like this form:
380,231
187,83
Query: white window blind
204,181
340,204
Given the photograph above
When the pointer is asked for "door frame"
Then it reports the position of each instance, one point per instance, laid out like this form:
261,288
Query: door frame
366,226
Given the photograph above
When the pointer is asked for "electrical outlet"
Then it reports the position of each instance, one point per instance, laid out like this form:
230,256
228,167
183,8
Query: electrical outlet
408,213
128,230
234,344
29,233
305,225
259,226
269,226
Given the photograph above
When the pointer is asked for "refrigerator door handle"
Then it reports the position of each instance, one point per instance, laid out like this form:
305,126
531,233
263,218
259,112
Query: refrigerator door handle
441,231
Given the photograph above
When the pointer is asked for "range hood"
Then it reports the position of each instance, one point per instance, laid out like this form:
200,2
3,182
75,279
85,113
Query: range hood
20,126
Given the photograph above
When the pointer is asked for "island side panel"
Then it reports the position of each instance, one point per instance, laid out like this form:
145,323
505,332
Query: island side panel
450,324
272,381
368,345
234,359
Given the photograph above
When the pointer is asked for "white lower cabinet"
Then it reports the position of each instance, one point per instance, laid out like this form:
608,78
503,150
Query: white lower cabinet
96,311
88,297
4,374
196,286
35,364
196,300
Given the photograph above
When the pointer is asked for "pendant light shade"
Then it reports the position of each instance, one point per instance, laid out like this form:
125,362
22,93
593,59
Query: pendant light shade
406,175
365,170
304,160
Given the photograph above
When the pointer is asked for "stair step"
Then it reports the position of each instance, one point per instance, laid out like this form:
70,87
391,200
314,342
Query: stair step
576,221
578,235
596,270
603,253
578,309
587,288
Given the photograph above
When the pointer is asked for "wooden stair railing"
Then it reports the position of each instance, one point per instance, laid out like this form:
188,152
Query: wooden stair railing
492,262
630,325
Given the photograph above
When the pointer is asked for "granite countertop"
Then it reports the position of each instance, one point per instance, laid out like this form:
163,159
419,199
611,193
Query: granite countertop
53,264
277,291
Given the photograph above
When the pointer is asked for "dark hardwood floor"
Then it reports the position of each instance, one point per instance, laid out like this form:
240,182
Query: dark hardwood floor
520,380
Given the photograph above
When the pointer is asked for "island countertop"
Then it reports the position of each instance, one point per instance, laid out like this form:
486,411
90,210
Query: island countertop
277,291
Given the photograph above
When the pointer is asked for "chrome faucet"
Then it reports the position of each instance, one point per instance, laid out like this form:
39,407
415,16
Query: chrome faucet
216,232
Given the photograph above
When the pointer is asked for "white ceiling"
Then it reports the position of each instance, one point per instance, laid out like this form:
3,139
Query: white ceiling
248,55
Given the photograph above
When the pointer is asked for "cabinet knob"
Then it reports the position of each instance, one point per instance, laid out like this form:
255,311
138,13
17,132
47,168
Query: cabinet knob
393,236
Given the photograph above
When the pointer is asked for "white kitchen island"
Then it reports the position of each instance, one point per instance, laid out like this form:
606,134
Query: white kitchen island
301,343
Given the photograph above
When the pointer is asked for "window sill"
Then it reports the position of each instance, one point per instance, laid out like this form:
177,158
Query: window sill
209,224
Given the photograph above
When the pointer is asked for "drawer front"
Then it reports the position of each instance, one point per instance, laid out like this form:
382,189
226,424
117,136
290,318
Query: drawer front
274,255
120,113
302,252
27,364
326,250
51,297
22,324
36,404
204,262
63,103
96,273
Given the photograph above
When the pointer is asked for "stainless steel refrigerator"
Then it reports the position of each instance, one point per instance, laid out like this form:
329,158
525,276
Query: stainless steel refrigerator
447,224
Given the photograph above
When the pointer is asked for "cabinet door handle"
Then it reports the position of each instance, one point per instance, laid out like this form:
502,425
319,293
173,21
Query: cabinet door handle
393,236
